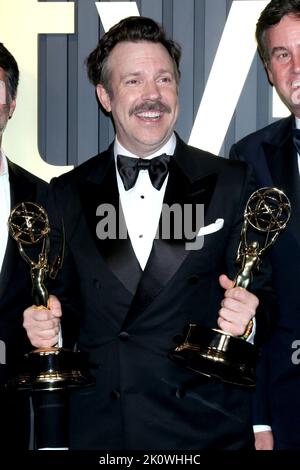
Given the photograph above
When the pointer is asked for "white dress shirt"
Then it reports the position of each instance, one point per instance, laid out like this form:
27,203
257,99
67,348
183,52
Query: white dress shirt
142,204
4,205
142,207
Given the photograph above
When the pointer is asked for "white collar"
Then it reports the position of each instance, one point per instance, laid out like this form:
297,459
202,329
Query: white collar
3,164
168,148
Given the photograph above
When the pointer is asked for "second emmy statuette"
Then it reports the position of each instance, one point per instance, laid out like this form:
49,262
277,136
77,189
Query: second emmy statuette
53,368
214,352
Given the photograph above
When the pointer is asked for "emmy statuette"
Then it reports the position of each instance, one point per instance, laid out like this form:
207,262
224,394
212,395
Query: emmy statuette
213,352
54,368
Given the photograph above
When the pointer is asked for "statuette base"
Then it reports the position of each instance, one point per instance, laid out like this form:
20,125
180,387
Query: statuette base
52,369
213,353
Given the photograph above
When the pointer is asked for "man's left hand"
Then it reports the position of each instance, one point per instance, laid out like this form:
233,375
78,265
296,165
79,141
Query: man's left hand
237,308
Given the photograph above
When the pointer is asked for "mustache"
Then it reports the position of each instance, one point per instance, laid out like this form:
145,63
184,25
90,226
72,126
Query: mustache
150,106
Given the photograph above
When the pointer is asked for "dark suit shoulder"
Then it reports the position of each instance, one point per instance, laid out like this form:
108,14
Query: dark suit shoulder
93,167
26,176
216,162
272,133
25,186
194,161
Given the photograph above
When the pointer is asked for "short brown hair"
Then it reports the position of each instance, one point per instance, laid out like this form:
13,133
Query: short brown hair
133,29
270,16
9,65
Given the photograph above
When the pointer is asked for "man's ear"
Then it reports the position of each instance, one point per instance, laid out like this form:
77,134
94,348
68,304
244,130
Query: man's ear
103,97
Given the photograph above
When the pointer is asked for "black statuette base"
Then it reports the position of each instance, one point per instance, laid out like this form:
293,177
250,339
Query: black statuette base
213,353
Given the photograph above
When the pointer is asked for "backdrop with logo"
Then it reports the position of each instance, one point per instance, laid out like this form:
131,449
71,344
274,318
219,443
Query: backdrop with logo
224,92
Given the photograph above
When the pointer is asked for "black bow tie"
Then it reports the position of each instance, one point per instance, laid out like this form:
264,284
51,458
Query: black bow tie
129,169
296,139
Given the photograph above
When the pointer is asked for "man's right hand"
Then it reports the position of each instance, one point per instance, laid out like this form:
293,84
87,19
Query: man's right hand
264,440
43,324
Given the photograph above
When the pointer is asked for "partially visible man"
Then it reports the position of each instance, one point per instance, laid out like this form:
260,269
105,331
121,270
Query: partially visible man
16,185
274,153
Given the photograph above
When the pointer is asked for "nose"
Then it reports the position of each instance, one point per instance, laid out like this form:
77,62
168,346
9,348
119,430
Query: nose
151,90
296,63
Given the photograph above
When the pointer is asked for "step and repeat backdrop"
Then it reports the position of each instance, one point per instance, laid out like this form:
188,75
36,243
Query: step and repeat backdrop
224,92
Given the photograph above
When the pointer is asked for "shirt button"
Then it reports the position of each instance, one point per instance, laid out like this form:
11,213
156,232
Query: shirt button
124,336
193,280
115,395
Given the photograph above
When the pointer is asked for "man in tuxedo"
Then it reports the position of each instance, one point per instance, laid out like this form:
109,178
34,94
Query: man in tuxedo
274,154
16,185
134,276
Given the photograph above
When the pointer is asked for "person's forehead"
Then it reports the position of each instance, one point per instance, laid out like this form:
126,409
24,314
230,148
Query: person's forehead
127,51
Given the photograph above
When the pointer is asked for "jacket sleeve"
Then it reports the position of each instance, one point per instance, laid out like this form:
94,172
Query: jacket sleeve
261,283
65,285
260,408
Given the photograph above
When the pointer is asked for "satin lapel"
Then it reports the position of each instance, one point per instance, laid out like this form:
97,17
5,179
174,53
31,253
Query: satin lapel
20,190
101,189
283,164
167,255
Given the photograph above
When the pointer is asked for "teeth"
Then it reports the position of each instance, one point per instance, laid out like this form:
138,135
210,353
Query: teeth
296,84
149,114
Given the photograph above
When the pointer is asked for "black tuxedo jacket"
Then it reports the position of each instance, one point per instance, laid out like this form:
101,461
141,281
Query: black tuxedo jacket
15,296
130,319
274,159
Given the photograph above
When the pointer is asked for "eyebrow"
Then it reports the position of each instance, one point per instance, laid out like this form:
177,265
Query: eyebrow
278,49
